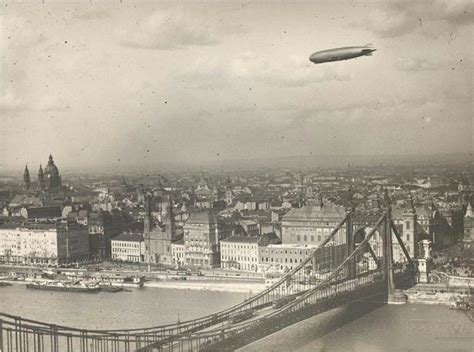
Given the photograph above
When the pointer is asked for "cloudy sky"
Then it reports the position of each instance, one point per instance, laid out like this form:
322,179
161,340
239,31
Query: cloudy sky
142,83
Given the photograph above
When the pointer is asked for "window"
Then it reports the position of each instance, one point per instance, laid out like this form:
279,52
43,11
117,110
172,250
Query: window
408,237
312,238
305,238
408,225
298,238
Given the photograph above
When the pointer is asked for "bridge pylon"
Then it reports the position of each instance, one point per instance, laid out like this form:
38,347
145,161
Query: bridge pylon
388,254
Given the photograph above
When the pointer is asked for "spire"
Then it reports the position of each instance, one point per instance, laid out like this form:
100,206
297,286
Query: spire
40,178
412,204
147,219
386,197
469,212
321,203
26,178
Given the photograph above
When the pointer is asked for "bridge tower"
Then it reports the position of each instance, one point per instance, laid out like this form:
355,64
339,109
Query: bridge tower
388,254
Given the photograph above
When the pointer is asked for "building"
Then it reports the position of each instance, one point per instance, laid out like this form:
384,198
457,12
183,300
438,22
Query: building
411,233
201,244
99,225
242,252
43,243
159,235
250,227
52,178
23,201
128,247
26,179
51,212
312,224
177,252
40,185
468,239
239,252
280,258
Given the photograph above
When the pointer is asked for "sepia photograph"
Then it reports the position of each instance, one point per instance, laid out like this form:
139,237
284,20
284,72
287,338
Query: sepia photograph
250,176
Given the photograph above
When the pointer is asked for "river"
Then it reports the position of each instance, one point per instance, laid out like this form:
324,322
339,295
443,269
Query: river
138,308
389,328
410,327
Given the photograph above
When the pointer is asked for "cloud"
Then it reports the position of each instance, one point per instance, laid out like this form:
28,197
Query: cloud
10,102
166,31
417,64
212,73
50,103
286,71
458,13
405,17
389,24
93,14
422,64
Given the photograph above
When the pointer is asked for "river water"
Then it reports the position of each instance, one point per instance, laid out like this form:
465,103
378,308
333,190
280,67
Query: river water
387,328
138,308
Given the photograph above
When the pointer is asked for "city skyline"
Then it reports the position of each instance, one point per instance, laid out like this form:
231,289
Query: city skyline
122,84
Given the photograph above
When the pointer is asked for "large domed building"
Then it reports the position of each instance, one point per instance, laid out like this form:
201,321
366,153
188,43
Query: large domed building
49,180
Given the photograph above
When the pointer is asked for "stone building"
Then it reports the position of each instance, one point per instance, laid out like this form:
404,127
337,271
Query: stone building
43,243
284,257
99,225
52,178
242,252
468,239
159,235
201,240
128,247
26,179
311,224
177,252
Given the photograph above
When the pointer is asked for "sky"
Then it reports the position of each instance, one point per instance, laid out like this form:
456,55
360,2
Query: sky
139,84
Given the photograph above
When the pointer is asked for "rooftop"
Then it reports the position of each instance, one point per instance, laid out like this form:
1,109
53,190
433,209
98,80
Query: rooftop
132,237
242,239
326,212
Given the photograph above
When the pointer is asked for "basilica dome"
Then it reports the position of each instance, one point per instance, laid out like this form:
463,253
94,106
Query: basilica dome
51,170
52,179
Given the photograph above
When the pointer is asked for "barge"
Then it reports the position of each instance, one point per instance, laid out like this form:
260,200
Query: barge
63,286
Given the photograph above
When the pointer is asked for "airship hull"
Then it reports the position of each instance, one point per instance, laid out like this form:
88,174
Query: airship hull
340,54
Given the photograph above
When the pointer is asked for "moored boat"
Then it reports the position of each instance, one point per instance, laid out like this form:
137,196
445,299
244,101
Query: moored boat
63,286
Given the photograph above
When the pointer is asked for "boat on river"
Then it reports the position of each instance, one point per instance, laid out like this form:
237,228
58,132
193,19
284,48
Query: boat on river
77,286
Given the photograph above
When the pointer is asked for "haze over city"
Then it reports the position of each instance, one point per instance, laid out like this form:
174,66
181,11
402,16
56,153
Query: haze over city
124,84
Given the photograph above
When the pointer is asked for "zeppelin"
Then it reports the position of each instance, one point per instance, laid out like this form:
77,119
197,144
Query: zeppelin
340,54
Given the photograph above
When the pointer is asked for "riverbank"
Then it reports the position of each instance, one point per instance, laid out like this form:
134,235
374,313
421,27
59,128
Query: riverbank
219,286
436,294
230,286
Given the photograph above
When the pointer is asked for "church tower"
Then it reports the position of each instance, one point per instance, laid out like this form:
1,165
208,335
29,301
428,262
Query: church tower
409,223
40,179
26,179
147,221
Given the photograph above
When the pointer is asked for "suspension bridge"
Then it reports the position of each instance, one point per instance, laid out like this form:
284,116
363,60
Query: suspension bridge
341,270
